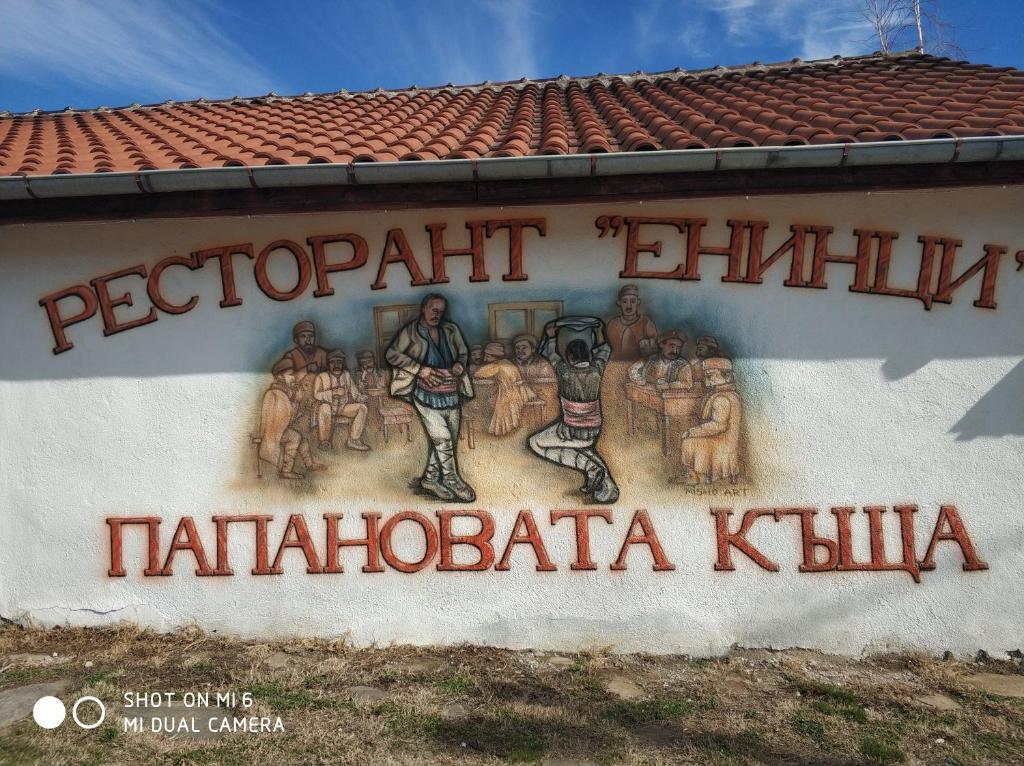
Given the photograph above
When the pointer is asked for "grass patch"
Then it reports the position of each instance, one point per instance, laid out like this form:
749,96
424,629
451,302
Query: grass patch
634,713
723,750
579,665
406,722
935,719
209,756
831,700
880,751
992,744
504,734
855,713
460,683
701,662
810,688
752,738
17,753
98,677
280,699
22,676
808,727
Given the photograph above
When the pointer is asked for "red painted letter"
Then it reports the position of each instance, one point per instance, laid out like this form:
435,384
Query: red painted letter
59,324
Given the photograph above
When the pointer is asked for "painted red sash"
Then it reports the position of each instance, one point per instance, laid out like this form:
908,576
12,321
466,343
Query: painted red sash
581,414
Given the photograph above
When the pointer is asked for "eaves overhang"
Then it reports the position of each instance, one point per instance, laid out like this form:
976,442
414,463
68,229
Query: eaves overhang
994,149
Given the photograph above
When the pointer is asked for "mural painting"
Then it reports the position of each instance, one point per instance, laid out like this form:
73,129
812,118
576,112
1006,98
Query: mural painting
549,391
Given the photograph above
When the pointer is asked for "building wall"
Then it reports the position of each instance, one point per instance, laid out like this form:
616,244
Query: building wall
843,398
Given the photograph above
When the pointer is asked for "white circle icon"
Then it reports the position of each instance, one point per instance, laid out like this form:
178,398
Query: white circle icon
74,712
48,712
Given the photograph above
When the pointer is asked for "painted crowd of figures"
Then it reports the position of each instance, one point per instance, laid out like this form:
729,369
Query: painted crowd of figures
554,381
314,384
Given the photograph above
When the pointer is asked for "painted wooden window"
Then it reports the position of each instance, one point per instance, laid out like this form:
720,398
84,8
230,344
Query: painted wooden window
388,320
507,320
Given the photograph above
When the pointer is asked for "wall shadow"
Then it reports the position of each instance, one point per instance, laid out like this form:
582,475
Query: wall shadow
1000,412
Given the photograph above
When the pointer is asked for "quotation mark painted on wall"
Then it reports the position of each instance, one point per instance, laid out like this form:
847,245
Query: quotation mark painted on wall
606,223
49,712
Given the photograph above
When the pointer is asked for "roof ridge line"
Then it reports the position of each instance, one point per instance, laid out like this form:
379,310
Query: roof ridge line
524,82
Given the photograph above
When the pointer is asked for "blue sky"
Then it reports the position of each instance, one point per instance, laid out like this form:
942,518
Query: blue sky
87,53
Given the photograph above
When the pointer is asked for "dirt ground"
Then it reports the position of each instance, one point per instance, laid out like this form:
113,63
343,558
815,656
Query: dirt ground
468,705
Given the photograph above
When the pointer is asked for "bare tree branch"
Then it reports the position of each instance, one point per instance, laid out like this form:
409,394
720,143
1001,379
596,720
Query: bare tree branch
903,24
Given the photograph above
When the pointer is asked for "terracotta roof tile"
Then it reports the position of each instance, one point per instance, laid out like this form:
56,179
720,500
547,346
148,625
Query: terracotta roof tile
869,98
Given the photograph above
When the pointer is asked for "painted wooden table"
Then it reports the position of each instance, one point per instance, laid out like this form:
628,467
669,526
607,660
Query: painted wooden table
668,403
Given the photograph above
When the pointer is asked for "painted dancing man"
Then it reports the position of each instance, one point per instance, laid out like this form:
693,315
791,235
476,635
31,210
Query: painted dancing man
572,439
429,358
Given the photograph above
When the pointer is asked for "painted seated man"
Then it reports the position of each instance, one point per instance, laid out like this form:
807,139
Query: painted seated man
369,378
711,450
280,442
476,358
538,374
669,368
337,396
532,366
707,348
510,391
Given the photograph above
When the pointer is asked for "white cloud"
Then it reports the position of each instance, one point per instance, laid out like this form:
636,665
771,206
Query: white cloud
659,26
430,43
517,32
816,28
490,40
734,32
155,49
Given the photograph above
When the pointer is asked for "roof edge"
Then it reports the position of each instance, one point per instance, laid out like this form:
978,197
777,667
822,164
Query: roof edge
496,169
523,82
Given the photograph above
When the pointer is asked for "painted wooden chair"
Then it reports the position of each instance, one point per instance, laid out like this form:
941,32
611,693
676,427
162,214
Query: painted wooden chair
395,415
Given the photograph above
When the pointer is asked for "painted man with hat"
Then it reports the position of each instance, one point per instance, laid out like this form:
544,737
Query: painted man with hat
336,395
280,443
707,347
538,374
307,357
428,358
369,377
632,334
711,450
532,366
476,358
669,368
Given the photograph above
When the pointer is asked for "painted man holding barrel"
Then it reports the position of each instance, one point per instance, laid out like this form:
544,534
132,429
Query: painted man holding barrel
572,439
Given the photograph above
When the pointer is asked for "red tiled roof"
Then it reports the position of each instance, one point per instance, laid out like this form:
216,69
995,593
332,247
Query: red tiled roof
863,99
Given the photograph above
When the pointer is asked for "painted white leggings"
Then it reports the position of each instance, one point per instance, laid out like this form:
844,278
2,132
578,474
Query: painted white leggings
574,453
442,427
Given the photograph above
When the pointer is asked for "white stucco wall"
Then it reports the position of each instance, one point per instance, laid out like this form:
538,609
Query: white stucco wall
851,400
